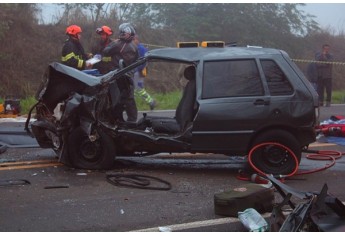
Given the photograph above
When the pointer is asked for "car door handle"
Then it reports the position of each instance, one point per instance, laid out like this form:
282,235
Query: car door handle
261,102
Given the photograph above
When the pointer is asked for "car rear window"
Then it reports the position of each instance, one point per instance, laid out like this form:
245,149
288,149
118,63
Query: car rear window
231,78
277,82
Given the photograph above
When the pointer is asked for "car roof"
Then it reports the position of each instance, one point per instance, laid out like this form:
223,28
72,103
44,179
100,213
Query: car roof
211,53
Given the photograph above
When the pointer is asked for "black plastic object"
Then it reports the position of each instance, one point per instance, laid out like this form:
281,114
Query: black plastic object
138,181
229,203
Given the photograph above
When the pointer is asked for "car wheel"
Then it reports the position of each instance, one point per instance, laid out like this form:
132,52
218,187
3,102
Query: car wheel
274,158
84,154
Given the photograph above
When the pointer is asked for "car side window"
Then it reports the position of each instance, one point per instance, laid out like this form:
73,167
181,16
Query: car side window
234,78
277,82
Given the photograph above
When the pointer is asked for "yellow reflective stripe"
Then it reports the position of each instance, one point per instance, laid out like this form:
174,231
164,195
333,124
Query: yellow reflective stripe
72,55
80,63
321,62
106,59
69,56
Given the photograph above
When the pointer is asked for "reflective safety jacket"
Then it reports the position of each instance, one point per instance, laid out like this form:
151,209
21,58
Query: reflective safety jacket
142,69
73,54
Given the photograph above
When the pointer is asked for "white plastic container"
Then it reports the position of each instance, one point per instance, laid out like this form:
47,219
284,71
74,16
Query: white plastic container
252,220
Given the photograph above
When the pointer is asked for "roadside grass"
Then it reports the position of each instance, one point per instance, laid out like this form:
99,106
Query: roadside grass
26,104
338,97
164,101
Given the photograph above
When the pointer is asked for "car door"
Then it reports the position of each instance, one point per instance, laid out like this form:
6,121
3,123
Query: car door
232,105
292,103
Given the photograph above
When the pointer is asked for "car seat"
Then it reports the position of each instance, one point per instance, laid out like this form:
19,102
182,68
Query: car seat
185,110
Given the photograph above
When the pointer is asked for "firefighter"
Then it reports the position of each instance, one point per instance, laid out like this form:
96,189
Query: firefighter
105,33
124,48
73,54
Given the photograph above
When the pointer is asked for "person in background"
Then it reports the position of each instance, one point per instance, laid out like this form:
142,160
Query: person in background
124,48
105,33
140,75
73,53
312,74
324,75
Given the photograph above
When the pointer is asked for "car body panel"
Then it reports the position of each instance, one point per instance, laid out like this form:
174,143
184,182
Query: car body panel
240,94
230,122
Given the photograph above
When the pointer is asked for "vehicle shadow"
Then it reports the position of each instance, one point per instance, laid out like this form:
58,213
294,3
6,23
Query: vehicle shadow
183,162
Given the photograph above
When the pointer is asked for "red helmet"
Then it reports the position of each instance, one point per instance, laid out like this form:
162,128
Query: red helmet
73,30
104,29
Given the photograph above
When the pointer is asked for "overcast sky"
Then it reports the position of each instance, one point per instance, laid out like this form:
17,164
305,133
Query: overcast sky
327,14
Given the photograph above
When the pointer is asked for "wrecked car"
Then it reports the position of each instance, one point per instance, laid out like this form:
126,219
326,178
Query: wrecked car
312,212
234,99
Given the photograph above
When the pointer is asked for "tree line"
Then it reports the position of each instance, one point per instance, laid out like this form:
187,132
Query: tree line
27,45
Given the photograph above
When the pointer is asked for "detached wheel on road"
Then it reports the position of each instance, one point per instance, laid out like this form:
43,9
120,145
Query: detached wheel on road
85,154
274,159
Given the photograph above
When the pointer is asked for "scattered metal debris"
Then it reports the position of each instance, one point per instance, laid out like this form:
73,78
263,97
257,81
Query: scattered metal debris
57,186
14,182
137,181
3,148
316,212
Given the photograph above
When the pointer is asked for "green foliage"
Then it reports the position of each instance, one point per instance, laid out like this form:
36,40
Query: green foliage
338,97
167,101
26,104
244,23
25,54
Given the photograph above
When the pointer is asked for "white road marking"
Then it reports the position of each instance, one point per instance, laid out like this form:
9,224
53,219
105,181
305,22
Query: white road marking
317,144
193,225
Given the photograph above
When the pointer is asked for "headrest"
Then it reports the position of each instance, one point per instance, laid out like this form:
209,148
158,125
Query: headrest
189,73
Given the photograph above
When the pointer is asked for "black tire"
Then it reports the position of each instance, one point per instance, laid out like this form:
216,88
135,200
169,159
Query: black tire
85,154
273,159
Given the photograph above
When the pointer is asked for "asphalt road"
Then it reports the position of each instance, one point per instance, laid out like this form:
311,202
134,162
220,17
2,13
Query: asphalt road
37,194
